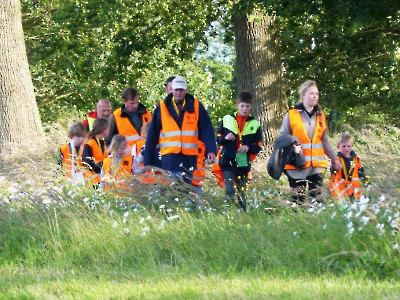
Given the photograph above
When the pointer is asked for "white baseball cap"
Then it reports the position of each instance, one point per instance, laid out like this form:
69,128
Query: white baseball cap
179,83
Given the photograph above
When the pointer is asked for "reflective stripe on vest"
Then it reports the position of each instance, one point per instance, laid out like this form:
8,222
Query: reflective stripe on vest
313,151
340,187
126,128
174,139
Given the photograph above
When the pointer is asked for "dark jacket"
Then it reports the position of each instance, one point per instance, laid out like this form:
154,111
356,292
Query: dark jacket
229,149
283,154
179,162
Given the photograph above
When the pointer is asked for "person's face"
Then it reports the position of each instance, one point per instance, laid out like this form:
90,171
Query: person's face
244,108
78,140
310,97
121,150
168,88
103,110
132,105
345,148
179,94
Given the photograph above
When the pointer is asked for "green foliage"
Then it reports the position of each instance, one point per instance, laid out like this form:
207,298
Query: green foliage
81,51
351,48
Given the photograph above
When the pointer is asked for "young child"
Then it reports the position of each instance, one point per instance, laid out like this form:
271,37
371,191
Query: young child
95,150
118,165
347,181
239,137
139,148
71,153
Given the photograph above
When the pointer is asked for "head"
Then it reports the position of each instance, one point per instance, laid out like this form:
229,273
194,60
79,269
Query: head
144,130
168,85
179,88
308,92
130,97
100,129
103,108
244,103
345,143
118,144
77,133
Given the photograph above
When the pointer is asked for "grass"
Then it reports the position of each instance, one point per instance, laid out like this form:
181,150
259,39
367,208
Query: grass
58,241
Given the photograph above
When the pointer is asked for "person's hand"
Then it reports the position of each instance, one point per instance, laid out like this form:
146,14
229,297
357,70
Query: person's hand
243,148
296,148
211,158
337,165
230,136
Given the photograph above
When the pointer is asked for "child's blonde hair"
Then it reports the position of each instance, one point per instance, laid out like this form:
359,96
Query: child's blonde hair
76,129
344,137
117,142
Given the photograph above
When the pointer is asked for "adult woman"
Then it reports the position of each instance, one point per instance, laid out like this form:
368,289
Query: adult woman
308,123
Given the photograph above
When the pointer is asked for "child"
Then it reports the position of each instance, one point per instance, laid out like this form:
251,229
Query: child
117,164
239,136
347,181
71,153
139,148
95,150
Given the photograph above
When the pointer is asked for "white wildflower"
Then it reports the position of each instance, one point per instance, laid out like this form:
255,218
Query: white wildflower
145,229
126,214
162,206
324,226
295,233
350,224
333,215
311,209
395,246
115,224
148,218
382,198
46,202
380,226
173,217
348,215
350,232
364,220
177,199
125,230
85,200
141,221
362,207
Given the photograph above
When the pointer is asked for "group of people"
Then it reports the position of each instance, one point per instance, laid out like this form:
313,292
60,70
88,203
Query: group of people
178,137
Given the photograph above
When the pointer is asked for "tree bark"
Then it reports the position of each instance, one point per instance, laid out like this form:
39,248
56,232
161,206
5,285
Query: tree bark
259,70
20,124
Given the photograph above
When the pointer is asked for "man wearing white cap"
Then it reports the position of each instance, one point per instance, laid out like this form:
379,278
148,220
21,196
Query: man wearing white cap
179,121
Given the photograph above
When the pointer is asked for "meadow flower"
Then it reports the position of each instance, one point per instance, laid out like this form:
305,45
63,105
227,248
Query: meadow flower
126,214
351,231
125,230
295,233
324,226
395,246
333,215
115,224
382,198
173,217
141,221
364,220
349,225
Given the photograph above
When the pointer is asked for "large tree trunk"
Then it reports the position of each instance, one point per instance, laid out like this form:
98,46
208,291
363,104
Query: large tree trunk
259,70
20,124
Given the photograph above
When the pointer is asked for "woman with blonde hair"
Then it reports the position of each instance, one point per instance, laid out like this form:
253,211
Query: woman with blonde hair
307,122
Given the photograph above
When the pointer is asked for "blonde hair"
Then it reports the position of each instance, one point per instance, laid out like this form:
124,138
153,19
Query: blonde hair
344,137
304,86
116,142
76,129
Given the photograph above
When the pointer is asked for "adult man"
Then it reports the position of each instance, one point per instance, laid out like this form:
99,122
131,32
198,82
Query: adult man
129,119
103,110
168,85
179,121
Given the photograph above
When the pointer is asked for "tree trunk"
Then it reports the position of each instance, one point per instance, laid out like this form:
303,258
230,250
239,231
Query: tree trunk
20,124
259,70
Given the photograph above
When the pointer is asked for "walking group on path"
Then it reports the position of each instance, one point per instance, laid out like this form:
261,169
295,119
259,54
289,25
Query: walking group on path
178,138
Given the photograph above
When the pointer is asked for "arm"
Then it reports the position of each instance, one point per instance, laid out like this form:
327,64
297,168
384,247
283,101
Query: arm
88,160
255,147
206,131
152,138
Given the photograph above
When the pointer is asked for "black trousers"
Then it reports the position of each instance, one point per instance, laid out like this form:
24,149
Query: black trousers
299,187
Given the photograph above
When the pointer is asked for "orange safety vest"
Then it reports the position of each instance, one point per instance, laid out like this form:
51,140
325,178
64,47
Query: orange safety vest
200,172
313,151
126,128
346,183
176,140
98,156
71,161
117,173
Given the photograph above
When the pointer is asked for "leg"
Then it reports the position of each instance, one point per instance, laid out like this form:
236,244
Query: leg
314,186
241,182
229,178
298,187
